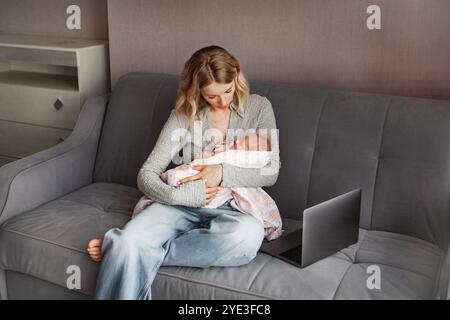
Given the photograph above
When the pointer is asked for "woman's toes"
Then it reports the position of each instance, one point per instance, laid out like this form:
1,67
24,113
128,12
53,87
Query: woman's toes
95,243
96,258
94,252
91,243
94,249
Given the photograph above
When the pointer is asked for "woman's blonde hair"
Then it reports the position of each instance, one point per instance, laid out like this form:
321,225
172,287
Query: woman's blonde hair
207,65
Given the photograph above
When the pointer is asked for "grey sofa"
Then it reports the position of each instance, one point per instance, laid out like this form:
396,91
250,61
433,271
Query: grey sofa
397,149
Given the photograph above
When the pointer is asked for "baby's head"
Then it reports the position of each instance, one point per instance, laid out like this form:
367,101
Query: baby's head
252,141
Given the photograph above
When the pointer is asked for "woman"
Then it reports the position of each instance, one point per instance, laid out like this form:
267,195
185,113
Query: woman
176,230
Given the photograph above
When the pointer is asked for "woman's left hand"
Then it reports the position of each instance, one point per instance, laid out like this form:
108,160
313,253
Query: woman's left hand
211,173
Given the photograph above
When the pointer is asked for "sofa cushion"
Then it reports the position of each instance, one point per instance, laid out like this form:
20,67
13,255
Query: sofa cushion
44,242
47,240
409,268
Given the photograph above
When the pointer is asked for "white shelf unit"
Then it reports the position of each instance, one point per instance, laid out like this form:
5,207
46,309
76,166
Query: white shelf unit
43,84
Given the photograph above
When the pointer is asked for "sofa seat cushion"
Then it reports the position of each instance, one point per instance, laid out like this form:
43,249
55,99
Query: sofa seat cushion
408,268
47,240
44,242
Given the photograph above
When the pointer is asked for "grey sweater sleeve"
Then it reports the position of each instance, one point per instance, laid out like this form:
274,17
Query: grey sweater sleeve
266,176
191,194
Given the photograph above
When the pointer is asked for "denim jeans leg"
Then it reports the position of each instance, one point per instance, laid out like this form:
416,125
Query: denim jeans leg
226,239
132,256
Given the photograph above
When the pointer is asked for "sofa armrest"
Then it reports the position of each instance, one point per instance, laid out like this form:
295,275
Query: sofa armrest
444,278
49,174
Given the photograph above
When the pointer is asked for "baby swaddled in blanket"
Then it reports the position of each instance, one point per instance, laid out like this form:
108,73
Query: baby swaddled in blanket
250,152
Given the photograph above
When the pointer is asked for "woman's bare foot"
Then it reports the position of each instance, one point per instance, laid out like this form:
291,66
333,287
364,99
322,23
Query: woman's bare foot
94,249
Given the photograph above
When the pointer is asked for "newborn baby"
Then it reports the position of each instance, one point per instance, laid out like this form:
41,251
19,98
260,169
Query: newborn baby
252,141
253,151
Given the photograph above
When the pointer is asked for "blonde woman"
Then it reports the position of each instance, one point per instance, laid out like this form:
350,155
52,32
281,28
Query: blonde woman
175,230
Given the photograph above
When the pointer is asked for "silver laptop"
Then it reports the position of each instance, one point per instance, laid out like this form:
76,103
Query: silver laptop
327,227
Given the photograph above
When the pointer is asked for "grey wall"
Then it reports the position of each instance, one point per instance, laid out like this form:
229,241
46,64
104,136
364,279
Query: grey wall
314,42
48,17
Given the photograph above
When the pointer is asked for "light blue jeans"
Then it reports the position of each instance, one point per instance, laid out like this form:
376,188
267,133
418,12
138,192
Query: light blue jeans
173,236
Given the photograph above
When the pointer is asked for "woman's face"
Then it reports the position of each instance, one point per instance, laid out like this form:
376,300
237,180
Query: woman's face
218,95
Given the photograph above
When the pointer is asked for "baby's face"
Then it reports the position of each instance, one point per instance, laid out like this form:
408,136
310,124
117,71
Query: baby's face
252,142
249,142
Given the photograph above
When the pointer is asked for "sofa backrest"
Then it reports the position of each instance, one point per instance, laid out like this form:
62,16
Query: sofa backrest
397,149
